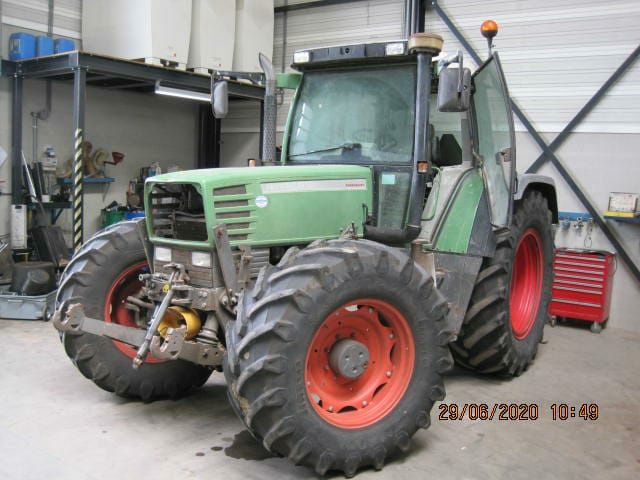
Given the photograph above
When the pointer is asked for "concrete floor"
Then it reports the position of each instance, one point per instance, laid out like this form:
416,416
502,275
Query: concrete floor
55,424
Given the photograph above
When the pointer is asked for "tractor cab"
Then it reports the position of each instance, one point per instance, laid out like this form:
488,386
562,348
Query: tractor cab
410,114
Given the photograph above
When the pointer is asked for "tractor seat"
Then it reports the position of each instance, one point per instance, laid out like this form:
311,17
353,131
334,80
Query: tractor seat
449,151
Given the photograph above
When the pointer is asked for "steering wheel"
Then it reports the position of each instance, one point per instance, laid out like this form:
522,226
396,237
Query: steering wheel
385,141
364,134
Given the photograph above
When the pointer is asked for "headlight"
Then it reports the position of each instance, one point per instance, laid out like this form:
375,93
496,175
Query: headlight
394,48
162,254
301,57
201,259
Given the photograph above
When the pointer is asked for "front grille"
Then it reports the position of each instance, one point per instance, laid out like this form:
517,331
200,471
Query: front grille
212,277
199,276
259,259
231,205
233,190
177,212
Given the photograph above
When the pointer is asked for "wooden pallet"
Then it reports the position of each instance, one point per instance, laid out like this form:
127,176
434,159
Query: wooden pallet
161,62
201,70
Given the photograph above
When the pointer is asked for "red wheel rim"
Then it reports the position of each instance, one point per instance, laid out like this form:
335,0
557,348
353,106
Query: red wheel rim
359,402
526,283
115,311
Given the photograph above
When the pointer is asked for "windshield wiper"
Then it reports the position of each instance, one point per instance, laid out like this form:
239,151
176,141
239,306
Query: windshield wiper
344,146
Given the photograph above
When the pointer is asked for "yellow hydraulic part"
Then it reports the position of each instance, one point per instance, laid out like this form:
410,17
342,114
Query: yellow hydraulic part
176,317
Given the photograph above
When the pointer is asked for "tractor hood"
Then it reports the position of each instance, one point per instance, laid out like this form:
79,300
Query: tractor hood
261,206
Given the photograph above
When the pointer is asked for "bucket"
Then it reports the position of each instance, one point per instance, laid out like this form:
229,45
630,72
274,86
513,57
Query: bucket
109,217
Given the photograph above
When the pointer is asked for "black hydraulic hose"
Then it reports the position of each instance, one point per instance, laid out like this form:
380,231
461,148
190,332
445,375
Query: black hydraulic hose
421,153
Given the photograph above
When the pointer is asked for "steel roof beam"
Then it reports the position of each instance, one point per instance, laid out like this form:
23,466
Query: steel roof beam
584,111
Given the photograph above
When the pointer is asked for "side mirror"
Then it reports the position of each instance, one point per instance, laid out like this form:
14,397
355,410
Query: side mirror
454,90
220,98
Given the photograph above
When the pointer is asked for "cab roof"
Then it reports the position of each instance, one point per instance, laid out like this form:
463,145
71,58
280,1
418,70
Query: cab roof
355,54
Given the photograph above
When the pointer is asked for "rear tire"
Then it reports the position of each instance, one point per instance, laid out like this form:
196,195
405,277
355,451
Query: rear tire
89,279
502,328
275,366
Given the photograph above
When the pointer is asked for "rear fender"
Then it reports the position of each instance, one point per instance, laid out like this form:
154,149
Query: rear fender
541,183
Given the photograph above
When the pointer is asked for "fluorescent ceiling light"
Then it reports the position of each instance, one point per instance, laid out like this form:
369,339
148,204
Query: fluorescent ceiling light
188,94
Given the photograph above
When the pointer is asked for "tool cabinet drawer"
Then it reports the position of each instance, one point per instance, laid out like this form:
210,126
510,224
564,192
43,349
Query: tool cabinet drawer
582,284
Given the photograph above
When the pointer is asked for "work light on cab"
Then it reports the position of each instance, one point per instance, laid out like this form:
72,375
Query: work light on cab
301,57
394,48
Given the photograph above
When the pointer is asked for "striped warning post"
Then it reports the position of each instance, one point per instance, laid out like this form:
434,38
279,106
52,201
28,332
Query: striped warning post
77,192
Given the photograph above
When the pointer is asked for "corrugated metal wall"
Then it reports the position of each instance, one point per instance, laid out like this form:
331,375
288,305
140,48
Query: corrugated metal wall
32,15
556,54
356,22
348,23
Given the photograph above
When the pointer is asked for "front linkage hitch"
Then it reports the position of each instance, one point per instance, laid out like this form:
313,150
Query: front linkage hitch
173,346
168,289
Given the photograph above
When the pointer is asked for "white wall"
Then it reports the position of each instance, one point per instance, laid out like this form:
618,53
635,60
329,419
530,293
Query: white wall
556,54
33,15
602,162
145,127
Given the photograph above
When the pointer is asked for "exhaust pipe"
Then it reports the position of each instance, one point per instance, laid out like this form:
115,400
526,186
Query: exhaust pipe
270,111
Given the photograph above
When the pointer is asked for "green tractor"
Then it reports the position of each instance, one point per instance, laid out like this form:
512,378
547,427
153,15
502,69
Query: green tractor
335,288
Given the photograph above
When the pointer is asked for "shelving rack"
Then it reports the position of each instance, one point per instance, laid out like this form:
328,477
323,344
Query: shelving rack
68,181
623,219
82,69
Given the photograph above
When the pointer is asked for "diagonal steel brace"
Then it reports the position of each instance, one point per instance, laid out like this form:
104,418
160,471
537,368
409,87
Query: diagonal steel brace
611,234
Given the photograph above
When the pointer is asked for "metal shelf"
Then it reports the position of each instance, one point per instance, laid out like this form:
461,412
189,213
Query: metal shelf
68,181
50,205
55,209
80,69
623,219
119,74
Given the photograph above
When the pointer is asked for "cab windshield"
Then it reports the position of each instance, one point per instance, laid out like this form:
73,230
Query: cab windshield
363,116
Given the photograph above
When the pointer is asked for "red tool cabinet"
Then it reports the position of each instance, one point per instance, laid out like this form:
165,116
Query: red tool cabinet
582,285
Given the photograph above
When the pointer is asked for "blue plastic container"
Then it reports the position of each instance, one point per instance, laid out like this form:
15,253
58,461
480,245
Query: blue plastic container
44,46
134,214
64,45
22,46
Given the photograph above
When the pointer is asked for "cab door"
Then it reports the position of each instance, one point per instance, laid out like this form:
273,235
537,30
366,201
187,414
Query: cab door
495,139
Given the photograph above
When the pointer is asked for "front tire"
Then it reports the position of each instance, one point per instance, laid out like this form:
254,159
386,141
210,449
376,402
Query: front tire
278,354
508,309
100,276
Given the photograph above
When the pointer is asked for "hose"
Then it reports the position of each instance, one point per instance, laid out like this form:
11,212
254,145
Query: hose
437,195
